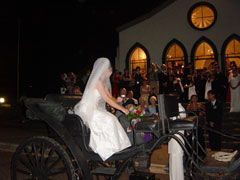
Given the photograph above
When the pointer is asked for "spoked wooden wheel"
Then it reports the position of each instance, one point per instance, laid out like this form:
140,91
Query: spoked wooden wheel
41,158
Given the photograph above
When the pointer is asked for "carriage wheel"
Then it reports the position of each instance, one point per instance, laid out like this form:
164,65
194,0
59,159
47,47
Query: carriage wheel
41,158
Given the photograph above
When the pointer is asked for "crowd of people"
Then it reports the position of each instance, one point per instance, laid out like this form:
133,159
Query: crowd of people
68,84
183,82
204,91
178,80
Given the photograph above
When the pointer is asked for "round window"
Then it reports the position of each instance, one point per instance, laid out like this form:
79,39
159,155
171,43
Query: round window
202,16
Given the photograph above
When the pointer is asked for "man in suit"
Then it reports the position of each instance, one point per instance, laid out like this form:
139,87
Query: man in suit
219,83
163,79
214,114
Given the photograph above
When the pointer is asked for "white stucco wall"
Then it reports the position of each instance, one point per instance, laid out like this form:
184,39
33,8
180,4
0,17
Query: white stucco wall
171,23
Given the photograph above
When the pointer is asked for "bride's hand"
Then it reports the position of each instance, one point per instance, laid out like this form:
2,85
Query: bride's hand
125,111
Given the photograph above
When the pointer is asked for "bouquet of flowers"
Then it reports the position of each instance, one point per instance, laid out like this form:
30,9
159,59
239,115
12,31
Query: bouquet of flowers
136,114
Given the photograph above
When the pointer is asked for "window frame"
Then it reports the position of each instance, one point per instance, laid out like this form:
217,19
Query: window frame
197,5
197,43
223,50
167,47
129,53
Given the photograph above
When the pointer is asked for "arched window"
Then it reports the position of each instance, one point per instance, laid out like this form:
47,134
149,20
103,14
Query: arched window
232,53
174,56
204,56
138,58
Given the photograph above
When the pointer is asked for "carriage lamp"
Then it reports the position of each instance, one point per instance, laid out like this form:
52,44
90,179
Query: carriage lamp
2,100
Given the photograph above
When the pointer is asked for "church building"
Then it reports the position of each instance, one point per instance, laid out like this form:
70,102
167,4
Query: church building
179,32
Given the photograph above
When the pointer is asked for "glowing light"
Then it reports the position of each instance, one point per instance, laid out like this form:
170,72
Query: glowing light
2,100
143,56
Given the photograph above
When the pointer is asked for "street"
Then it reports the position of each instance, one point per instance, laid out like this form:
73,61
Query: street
5,164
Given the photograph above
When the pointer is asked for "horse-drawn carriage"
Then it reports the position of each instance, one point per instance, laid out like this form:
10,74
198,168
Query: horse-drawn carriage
68,156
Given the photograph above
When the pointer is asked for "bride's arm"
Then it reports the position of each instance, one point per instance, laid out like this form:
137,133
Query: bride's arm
109,99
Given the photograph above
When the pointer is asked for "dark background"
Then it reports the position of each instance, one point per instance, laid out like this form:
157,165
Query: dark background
43,39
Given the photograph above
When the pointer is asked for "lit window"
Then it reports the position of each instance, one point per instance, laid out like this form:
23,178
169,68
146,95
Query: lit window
204,56
202,16
175,56
232,53
138,58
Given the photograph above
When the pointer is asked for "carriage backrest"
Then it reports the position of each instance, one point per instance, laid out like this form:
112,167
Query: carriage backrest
170,105
38,109
73,123
67,101
79,131
167,108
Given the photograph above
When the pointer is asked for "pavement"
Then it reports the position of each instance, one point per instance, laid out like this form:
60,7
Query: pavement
13,131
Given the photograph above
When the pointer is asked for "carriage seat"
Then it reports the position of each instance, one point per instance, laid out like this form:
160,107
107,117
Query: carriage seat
78,130
169,109
146,126
181,125
73,123
54,107
156,125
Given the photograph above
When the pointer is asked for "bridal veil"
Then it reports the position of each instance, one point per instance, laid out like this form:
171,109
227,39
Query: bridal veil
89,102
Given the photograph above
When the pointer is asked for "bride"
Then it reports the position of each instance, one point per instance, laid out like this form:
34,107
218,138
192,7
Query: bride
107,135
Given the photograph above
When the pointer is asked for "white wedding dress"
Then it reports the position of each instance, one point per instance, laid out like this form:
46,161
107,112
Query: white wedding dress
235,94
107,135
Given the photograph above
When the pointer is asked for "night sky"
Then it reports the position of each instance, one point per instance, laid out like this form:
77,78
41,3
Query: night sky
58,36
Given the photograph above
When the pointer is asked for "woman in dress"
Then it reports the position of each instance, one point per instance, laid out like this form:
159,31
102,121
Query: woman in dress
153,109
234,83
107,135
126,79
145,91
116,78
153,76
195,106
122,98
143,106
197,109
208,85
233,66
